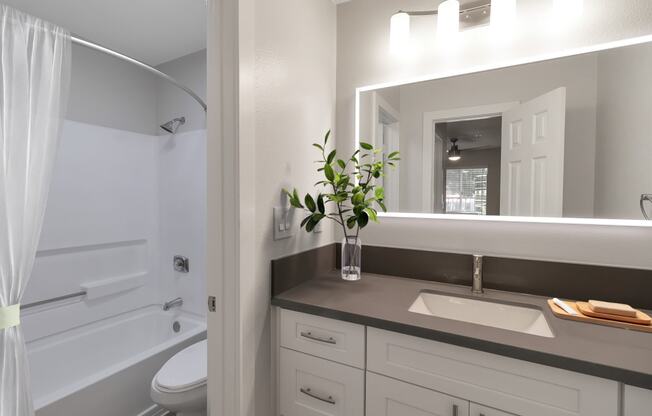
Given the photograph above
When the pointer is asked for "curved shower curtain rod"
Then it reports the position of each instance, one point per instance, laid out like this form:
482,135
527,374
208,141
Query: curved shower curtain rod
143,65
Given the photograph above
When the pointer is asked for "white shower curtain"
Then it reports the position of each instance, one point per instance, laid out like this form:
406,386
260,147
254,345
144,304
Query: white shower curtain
34,74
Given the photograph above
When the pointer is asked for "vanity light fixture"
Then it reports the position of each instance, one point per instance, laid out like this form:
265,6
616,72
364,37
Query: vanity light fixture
399,33
448,19
503,15
454,153
568,9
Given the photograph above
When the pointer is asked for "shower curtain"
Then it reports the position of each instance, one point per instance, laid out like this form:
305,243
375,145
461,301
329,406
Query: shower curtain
34,75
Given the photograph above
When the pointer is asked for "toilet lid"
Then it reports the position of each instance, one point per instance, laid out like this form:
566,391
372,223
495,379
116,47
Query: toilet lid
187,369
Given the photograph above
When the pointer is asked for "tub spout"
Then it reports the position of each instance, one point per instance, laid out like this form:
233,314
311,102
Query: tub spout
177,302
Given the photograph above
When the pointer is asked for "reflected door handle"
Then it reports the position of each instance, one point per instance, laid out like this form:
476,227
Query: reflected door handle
307,392
309,335
645,197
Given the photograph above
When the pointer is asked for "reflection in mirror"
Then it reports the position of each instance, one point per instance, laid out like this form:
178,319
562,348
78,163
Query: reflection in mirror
568,137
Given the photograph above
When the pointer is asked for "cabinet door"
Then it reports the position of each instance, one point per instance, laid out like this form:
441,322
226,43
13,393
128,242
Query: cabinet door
514,386
637,401
389,397
312,386
479,410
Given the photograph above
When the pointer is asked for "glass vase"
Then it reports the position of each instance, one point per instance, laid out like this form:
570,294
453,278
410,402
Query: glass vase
351,258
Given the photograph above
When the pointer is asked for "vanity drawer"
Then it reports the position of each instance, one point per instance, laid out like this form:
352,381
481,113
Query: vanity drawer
389,397
479,410
499,382
311,386
339,341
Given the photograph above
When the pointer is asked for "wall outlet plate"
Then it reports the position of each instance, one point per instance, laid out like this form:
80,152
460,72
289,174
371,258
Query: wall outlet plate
283,222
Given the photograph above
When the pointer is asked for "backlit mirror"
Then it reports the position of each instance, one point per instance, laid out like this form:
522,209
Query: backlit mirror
568,137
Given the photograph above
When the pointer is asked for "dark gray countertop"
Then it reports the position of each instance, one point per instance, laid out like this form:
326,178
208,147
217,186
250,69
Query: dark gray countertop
383,301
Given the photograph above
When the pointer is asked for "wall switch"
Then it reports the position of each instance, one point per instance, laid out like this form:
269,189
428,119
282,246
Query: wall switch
283,222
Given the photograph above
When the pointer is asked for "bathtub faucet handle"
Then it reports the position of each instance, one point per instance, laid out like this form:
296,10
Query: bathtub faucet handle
176,302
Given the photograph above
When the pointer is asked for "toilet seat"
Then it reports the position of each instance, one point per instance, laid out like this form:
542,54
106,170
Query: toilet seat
187,370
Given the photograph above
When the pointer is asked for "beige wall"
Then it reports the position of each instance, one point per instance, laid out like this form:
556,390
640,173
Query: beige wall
287,102
363,58
624,141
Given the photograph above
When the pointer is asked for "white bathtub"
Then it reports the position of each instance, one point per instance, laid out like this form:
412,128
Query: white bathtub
105,368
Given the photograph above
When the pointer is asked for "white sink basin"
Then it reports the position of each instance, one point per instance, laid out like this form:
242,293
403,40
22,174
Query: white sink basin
498,315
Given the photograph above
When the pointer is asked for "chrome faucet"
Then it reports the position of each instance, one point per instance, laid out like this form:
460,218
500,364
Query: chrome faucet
171,304
477,274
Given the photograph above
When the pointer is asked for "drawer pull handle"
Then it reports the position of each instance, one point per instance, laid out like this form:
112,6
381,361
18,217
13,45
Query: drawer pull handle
481,414
455,410
309,335
307,392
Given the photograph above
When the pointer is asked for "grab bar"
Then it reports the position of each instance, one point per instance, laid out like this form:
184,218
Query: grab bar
56,299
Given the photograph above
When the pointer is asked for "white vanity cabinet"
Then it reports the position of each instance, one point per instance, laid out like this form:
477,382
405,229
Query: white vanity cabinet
637,401
390,397
329,367
321,366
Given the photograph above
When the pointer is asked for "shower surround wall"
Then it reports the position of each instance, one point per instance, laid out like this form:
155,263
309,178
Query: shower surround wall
122,200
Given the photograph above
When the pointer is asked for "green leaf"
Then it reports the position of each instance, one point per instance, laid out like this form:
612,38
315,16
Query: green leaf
366,146
351,221
320,203
328,134
363,219
384,208
329,172
372,214
318,146
357,198
305,220
341,163
331,156
294,198
310,203
392,155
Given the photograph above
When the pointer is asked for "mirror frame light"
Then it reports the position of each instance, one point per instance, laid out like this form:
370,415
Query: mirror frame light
491,67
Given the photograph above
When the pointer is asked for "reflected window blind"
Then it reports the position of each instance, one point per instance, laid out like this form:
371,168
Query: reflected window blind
466,191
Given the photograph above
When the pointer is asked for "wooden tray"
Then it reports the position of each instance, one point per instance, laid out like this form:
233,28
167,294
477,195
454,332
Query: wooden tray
559,312
640,318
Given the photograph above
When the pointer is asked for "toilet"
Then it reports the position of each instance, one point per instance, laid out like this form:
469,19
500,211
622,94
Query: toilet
180,385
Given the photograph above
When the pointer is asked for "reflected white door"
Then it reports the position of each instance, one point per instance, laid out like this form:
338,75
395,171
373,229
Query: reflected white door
532,157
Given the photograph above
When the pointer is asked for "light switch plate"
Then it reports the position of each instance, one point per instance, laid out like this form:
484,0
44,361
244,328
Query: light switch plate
283,222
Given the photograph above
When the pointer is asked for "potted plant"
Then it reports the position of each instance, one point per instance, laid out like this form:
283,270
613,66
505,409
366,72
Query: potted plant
350,186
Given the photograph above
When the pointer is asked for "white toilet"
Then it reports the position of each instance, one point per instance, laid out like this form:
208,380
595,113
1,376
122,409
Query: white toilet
180,385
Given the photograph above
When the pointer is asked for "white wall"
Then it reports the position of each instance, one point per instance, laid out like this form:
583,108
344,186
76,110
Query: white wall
363,59
624,141
287,102
101,222
578,74
172,102
182,222
108,92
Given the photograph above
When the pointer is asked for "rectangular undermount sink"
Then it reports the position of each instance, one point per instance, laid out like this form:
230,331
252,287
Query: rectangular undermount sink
498,315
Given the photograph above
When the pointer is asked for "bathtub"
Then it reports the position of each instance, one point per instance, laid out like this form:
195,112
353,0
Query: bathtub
105,368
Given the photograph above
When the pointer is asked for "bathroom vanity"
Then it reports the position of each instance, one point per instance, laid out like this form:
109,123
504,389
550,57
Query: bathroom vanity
396,346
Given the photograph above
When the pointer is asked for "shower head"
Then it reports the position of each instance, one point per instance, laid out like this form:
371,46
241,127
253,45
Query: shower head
173,125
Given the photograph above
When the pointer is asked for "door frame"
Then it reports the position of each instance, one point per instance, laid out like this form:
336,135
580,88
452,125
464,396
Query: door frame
430,118
223,177
378,105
